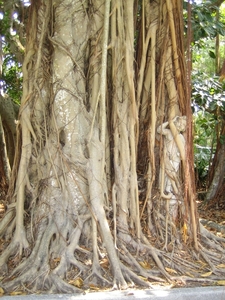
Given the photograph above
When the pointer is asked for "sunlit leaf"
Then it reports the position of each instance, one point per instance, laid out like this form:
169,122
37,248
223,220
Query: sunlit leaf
202,263
220,282
1,291
78,282
185,236
221,266
145,264
189,274
171,271
17,293
206,274
104,263
57,259
93,287
143,278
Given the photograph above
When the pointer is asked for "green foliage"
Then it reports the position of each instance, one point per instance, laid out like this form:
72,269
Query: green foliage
208,93
204,141
208,100
203,57
5,24
12,77
204,20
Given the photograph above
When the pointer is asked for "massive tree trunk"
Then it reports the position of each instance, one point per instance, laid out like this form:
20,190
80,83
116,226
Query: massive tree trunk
102,170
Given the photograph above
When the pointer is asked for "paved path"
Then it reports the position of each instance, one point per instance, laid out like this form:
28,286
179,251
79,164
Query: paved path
198,293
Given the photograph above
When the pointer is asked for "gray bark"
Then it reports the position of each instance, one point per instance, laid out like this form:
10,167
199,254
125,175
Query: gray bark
218,175
9,115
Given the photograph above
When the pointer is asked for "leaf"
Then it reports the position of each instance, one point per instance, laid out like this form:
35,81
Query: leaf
1,291
221,266
212,54
185,233
143,278
220,282
104,263
145,264
17,293
202,263
57,259
206,274
93,287
171,271
78,282
189,274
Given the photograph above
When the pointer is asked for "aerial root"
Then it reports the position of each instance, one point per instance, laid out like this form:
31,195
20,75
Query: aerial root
36,272
129,259
9,251
95,277
147,247
67,258
206,258
213,225
207,234
132,277
7,224
59,285
27,278
38,277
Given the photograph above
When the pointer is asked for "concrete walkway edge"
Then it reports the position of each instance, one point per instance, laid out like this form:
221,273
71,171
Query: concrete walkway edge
198,293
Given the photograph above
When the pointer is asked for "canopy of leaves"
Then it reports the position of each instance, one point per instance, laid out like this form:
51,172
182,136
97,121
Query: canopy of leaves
204,128
208,93
13,15
208,100
204,20
12,77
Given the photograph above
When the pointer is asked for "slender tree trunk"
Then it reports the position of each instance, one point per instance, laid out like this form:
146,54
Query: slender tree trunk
5,169
217,169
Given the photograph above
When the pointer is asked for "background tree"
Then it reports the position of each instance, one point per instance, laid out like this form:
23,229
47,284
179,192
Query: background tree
101,122
208,97
12,38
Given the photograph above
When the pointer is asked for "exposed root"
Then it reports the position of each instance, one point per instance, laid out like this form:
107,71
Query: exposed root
96,278
9,251
213,225
129,259
62,286
207,234
7,219
35,272
131,277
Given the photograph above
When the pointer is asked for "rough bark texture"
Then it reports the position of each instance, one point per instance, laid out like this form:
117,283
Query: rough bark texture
8,117
217,168
90,171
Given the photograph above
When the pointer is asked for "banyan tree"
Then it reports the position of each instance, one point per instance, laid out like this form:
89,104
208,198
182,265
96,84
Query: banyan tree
102,187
